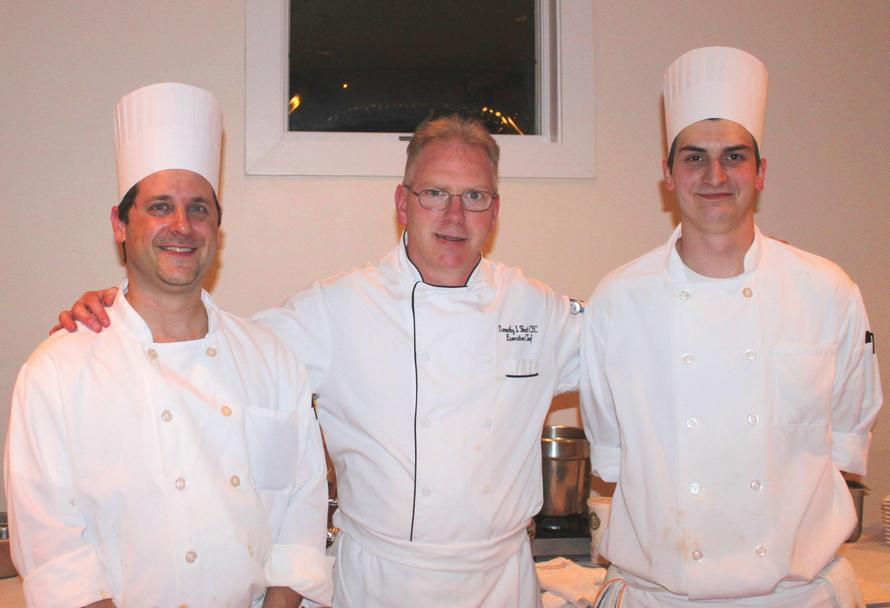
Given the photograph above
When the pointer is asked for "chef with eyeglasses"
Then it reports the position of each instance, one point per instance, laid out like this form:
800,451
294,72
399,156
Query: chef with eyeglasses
435,369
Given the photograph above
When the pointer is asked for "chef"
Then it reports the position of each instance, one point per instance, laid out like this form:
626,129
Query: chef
172,460
435,369
728,378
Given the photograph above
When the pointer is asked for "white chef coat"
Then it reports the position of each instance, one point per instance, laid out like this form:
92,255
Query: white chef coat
432,400
725,409
165,474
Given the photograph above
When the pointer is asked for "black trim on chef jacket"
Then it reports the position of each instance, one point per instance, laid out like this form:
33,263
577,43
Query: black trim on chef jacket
416,371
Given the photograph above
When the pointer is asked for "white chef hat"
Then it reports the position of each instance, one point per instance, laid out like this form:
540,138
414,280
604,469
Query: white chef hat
715,82
167,126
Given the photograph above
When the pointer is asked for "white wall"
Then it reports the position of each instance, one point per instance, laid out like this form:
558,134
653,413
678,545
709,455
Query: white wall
64,64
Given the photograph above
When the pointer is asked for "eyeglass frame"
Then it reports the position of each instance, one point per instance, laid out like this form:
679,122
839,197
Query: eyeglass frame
492,197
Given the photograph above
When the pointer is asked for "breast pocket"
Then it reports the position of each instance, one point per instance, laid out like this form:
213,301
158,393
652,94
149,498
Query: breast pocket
802,383
521,368
272,447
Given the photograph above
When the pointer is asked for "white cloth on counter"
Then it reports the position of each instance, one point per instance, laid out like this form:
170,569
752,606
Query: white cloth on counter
161,474
432,400
574,584
725,410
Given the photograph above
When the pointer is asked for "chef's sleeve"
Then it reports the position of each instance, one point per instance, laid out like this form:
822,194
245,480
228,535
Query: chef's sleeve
58,567
299,531
597,406
568,319
302,324
856,392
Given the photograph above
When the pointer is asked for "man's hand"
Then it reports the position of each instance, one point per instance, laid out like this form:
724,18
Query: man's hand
89,310
281,597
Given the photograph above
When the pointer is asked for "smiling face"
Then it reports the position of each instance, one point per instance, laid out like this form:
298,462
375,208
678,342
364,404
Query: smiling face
446,245
715,178
171,234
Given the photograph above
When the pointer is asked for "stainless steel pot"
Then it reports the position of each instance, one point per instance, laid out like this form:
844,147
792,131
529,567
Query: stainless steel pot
566,466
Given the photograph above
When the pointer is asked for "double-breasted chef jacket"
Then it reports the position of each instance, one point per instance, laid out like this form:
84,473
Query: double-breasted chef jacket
432,401
725,409
165,474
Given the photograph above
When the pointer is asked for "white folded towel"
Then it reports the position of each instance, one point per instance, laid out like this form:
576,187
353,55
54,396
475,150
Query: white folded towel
575,584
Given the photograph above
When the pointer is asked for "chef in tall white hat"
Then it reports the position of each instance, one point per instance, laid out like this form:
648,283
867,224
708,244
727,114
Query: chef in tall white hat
173,459
728,379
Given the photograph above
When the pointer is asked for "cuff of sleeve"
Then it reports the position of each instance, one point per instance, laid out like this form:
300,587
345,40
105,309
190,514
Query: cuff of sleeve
849,451
73,579
606,462
304,569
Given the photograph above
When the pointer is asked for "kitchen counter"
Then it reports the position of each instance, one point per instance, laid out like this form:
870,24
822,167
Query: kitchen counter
870,558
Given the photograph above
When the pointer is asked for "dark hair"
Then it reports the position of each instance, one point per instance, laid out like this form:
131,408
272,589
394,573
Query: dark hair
670,159
123,208
468,131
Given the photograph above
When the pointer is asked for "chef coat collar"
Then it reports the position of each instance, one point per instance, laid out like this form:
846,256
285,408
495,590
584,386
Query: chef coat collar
676,268
481,274
136,325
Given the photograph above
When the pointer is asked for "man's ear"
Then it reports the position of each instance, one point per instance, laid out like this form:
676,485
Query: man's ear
401,199
668,178
118,226
761,175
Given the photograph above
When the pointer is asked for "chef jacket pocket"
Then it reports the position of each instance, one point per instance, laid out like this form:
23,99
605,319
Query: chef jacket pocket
803,377
521,368
272,450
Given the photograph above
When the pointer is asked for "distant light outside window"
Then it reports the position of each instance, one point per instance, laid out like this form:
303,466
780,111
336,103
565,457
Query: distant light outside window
382,67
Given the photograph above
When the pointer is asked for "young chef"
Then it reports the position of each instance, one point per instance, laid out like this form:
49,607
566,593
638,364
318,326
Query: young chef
173,459
435,369
728,378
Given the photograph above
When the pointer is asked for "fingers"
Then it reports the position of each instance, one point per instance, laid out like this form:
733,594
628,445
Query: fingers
66,321
90,309
84,313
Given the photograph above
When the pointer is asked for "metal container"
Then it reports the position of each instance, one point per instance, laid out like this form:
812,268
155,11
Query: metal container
7,570
566,466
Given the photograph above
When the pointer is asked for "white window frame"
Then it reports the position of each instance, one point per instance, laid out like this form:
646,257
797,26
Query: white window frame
566,152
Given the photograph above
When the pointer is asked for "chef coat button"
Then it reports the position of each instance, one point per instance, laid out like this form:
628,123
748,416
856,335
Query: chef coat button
152,353
691,423
487,422
425,423
747,292
756,485
486,488
180,483
760,551
426,491
225,411
688,359
211,352
695,488
424,356
753,418
750,355
684,295
166,415
697,556
235,480
191,557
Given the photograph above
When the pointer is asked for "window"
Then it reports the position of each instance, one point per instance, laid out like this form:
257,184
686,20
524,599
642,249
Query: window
315,118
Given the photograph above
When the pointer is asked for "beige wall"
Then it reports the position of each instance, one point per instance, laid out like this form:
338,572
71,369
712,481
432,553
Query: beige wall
64,64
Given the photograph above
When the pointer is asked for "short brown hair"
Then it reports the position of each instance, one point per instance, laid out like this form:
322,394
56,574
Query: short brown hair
468,131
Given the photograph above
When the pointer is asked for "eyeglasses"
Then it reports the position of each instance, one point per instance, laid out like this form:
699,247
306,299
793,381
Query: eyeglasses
437,199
